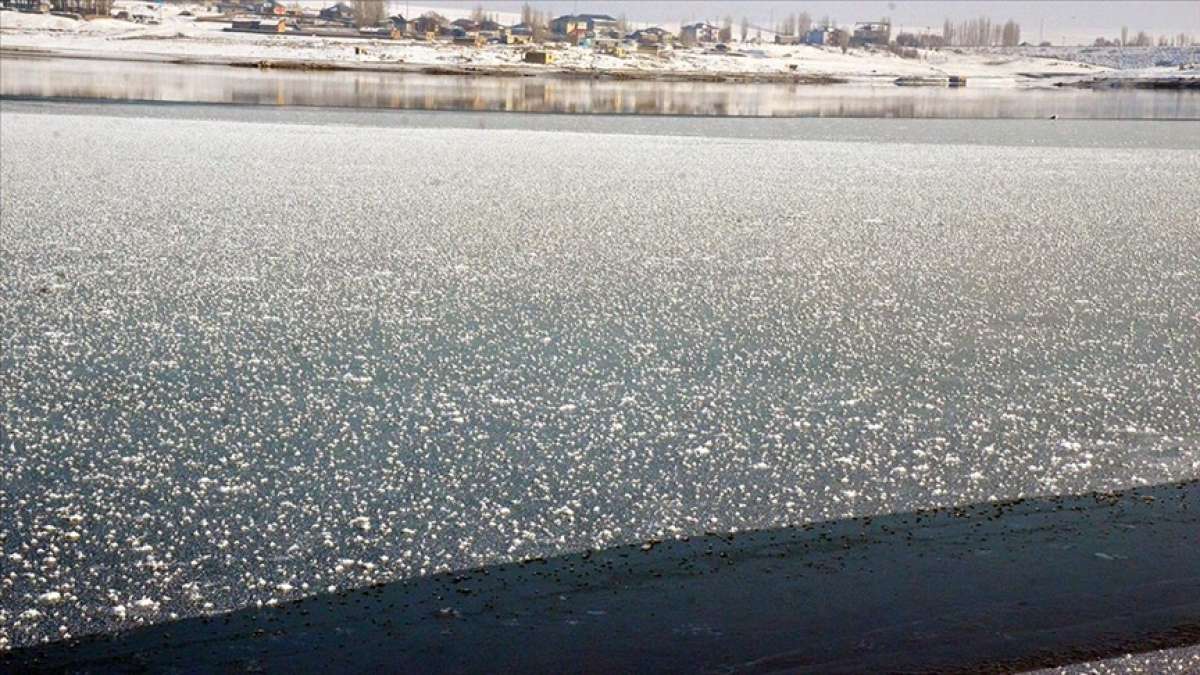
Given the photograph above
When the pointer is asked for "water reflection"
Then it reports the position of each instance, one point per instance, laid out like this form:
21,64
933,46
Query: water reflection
78,78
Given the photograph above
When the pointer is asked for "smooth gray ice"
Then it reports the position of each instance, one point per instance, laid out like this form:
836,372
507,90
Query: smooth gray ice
246,360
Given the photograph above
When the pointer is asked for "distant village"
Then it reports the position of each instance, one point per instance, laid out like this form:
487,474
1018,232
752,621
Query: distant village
598,31
605,33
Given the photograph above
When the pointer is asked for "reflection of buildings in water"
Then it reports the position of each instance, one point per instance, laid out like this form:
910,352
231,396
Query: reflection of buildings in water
63,78
645,102
533,97
614,101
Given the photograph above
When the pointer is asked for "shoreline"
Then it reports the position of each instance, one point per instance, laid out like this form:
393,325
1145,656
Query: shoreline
1023,80
1016,584
1156,83
492,70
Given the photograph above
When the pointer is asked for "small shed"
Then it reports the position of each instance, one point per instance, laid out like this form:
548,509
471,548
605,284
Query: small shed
540,57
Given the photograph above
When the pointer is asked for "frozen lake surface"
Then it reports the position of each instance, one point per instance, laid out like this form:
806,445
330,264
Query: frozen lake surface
259,356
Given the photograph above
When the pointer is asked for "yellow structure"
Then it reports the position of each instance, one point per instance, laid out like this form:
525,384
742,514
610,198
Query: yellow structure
542,58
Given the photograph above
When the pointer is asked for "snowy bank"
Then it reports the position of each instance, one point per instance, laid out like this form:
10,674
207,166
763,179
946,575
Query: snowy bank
182,38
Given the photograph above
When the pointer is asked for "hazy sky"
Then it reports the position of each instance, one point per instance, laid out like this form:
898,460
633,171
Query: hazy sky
1073,21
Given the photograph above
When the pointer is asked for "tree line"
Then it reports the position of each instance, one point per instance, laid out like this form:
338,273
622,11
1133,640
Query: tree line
1143,39
981,32
795,24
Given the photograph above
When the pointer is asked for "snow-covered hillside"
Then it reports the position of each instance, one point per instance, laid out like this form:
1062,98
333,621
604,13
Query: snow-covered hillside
1119,58
179,37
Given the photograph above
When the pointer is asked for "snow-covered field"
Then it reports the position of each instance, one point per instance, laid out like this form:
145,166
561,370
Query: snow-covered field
182,37
1121,63
1118,58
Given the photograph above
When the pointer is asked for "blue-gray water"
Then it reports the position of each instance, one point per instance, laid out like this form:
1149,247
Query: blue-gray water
254,356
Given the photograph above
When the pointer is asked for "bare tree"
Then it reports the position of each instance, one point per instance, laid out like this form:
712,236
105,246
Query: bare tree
981,32
368,12
745,32
842,38
431,15
541,26
726,34
1011,34
804,23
